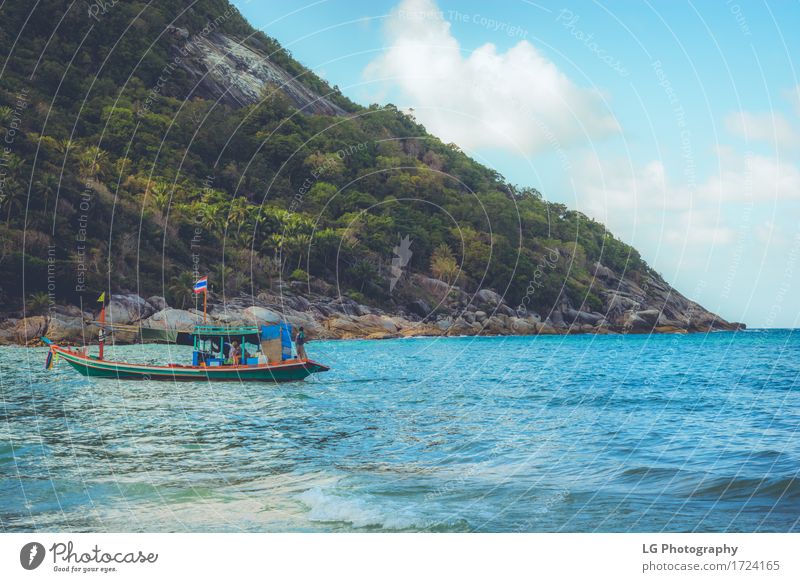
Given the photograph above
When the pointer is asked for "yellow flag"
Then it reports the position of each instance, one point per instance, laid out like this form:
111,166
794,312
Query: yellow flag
102,297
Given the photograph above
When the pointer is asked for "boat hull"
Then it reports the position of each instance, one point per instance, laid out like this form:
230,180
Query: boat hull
289,371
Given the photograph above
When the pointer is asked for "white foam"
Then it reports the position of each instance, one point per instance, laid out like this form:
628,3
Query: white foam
327,507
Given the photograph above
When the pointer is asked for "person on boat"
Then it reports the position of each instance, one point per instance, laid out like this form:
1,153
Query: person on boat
236,353
300,341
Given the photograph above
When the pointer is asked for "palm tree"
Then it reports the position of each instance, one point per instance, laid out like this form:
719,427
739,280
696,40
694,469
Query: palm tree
181,289
91,162
13,193
123,166
238,213
38,303
46,186
5,114
161,194
65,146
210,217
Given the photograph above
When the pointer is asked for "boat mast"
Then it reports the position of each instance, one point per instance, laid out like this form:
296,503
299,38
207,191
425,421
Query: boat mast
101,337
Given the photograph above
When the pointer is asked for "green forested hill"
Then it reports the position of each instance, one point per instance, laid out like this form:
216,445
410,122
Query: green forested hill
121,173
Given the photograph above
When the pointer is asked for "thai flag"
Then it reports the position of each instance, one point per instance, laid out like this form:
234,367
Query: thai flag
201,285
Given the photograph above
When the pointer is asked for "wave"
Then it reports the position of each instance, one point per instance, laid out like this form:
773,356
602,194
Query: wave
703,485
329,508
776,488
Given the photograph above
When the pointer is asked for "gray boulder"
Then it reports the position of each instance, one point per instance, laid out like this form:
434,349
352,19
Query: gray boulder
177,319
488,297
127,309
157,302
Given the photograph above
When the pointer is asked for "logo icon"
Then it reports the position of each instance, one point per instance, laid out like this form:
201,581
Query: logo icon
402,256
31,555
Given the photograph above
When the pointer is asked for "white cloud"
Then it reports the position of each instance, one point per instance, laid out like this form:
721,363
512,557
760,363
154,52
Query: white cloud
643,206
771,128
517,100
749,177
682,222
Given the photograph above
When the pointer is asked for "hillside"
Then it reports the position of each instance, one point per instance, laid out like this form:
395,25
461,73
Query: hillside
149,144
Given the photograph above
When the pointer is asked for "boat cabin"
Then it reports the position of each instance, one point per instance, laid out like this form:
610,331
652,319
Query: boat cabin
241,346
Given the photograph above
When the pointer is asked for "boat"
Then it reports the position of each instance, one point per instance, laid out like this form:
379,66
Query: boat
266,356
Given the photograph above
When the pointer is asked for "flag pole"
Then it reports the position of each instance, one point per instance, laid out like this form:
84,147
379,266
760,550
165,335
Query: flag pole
205,297
101,339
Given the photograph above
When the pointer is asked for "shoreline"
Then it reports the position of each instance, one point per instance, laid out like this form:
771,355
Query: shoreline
437,310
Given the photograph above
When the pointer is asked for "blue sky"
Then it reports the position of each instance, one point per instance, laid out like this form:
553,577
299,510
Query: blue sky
676,124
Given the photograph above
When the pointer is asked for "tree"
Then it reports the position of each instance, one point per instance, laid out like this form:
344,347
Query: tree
91,162
38,303
160,194
181,289
11,191
443,264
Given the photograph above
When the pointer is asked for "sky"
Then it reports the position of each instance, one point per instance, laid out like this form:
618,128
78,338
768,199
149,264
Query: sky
676,124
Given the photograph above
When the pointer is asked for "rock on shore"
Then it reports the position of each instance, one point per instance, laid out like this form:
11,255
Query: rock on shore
651,306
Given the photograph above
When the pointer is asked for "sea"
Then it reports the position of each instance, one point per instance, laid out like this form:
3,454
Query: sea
582,433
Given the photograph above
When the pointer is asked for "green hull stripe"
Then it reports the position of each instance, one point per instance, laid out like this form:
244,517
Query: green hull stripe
279,373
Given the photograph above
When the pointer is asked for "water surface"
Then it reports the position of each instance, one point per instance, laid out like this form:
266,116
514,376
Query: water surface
574,433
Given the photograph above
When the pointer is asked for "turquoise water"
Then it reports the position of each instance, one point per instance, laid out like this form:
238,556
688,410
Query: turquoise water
580,433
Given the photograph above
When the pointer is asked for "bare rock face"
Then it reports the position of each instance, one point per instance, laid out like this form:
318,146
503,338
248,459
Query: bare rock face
65,328
420,308
313,329
488,297
462,327
603,272
647,305
173,319
157,302
30,329
523,326
422,330
127,308
225,68
435,287
8,334
254,315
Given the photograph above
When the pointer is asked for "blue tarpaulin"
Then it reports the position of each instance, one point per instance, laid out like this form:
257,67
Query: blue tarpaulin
282,331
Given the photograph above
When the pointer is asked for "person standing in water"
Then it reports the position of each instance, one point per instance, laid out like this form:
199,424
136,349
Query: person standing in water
300,341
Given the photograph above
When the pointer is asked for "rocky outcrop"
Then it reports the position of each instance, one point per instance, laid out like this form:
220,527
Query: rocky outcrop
229,70
124,309
173,319
437,309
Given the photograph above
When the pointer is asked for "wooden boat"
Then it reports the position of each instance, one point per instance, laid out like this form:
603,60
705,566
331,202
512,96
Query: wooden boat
267,357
